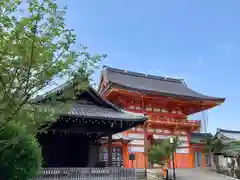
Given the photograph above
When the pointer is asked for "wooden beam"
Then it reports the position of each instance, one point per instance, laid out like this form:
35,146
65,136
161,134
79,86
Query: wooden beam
156,113
163,102
168,99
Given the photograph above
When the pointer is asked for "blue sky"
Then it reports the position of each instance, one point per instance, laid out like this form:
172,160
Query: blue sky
195,40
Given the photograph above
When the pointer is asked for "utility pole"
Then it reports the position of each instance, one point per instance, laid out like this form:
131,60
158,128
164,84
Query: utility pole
173,163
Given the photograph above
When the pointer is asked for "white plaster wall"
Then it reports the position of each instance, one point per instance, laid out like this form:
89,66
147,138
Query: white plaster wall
136,149
136,136
137,142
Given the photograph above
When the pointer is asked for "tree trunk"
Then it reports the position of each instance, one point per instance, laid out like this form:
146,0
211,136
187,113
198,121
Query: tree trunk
209,159
238,161
232,167
216,162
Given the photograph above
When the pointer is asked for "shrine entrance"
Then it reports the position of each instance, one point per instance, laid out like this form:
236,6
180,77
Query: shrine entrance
198,159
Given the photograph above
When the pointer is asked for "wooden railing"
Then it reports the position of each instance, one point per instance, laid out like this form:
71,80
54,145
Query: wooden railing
87,174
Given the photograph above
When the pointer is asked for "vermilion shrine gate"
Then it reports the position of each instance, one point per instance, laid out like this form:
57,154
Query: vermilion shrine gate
168,102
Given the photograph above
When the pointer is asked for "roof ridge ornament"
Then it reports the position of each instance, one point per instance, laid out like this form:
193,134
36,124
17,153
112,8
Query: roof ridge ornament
142,74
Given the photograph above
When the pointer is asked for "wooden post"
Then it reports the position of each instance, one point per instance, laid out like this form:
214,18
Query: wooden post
110,150
146,149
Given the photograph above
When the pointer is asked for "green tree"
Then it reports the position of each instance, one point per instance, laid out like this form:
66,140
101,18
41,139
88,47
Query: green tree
213,147
231,150
20,159
226,148
36,49
161,150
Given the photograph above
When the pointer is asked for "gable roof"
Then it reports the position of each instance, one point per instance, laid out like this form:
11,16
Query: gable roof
152,84
228,134
103,109
90,105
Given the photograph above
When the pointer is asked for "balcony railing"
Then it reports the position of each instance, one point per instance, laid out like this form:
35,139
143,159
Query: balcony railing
167,120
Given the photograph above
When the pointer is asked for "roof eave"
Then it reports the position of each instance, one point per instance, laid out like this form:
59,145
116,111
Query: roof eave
227,131
202,134
111,105
133,120
219,100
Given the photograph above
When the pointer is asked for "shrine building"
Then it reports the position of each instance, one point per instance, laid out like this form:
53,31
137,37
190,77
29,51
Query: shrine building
167,102
73,140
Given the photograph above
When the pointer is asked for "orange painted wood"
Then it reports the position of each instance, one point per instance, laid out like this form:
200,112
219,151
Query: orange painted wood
180,124
191,161
171,121
139,161
203,160
156,113
198,147
182,160
125,156
126,153
155,97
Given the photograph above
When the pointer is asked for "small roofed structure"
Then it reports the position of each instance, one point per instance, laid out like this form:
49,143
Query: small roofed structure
230,140
73,140
199,138
227,134
197,143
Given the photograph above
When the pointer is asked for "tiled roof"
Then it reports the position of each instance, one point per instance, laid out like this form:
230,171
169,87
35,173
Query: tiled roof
98,112
228,134
201,134
152,84
89,104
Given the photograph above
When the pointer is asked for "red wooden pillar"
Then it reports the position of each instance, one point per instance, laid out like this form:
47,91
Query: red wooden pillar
125,155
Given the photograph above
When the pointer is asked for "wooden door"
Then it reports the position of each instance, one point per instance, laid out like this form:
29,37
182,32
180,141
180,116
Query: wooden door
198,159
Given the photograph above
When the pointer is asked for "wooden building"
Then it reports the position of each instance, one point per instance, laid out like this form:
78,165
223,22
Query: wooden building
225,134
74,139
167,101
226,137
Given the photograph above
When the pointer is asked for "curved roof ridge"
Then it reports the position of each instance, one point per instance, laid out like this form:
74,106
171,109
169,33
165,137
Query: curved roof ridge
227,131
153,84
176,80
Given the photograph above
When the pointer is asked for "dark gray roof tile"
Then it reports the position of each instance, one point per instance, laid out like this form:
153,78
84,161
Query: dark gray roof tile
228,134
149,83
98,112
199,134
89,104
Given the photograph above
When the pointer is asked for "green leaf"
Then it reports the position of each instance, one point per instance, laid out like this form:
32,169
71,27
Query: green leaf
36,48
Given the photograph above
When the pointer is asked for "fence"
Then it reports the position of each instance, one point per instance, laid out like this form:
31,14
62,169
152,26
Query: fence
87,174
